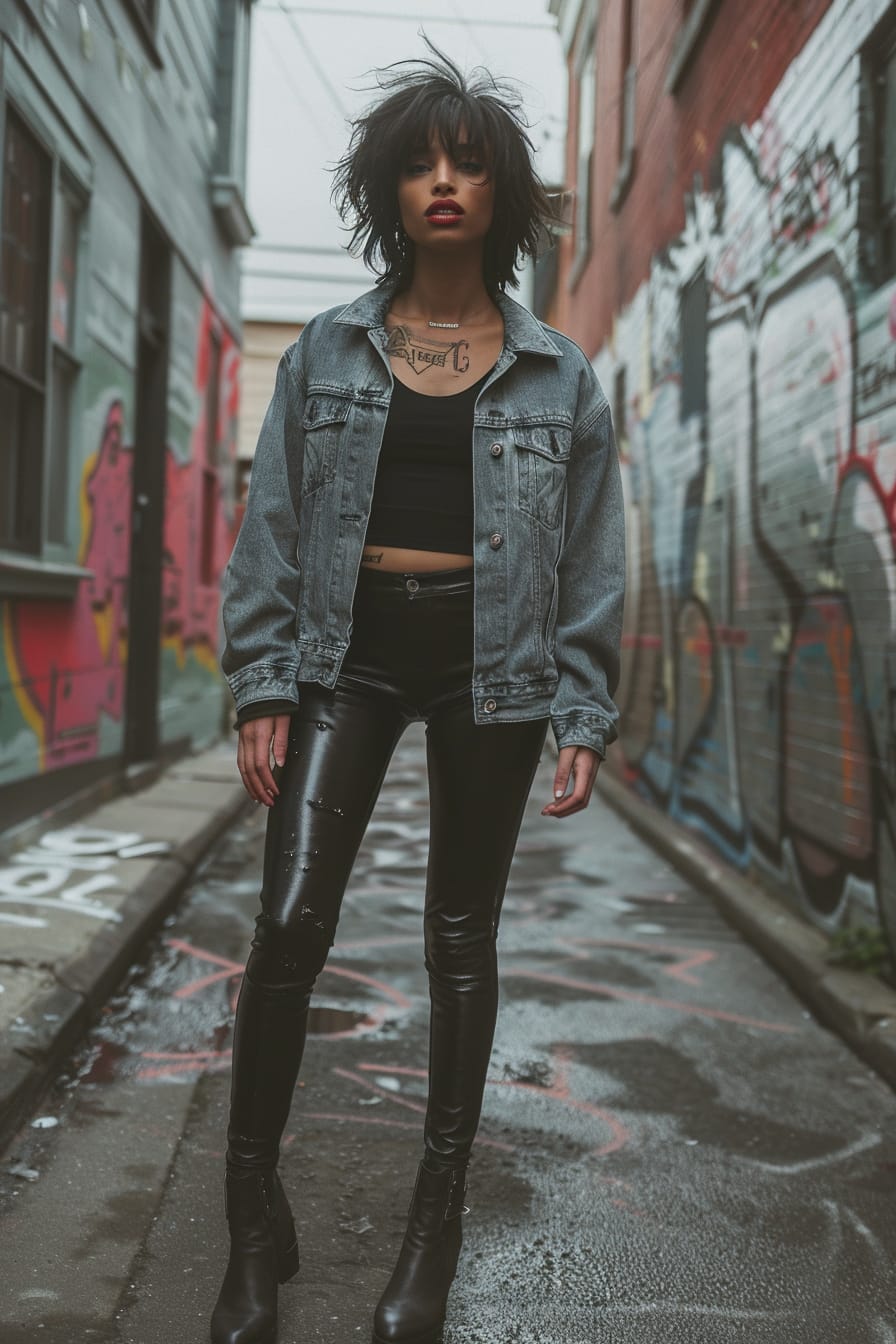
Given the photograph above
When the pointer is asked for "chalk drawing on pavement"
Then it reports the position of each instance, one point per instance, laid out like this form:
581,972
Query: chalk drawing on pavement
66,869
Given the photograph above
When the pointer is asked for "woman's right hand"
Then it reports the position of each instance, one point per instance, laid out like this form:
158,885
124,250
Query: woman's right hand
258,739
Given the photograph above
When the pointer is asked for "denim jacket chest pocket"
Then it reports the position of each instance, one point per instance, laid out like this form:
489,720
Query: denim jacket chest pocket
541,459
323,425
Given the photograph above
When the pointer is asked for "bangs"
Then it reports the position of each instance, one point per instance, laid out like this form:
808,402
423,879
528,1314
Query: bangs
459,124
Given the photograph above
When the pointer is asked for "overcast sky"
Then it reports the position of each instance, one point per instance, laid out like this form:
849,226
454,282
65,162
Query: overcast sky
311,70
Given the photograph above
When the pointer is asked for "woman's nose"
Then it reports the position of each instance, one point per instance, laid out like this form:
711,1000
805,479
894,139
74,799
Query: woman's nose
444,179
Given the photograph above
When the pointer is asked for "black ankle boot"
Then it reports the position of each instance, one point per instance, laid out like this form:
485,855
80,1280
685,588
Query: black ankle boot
263,1253
268,1039
412,1308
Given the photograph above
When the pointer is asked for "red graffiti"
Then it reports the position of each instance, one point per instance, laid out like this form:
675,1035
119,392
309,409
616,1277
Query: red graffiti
68,654
66,659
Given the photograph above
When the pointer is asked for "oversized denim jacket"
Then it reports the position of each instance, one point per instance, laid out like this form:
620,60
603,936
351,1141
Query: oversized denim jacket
548,532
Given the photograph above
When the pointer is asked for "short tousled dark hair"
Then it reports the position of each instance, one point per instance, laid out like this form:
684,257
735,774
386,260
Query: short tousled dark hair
427,97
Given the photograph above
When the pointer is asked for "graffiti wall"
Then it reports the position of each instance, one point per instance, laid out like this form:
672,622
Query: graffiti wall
753,380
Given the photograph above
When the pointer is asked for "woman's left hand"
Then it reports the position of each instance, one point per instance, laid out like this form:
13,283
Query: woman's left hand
583,763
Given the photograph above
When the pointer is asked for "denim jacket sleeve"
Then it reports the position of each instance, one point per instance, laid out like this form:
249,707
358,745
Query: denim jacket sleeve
591,583
261,583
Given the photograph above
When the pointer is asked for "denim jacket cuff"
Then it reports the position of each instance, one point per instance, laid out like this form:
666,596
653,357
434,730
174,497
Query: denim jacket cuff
264,681
579,728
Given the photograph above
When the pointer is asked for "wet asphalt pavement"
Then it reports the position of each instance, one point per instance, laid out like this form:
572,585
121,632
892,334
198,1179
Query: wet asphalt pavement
672,1150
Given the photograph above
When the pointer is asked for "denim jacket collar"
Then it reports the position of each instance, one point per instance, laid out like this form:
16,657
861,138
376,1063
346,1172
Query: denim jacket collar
522,331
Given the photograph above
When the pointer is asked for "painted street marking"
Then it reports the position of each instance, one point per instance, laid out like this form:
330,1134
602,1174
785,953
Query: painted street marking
52,863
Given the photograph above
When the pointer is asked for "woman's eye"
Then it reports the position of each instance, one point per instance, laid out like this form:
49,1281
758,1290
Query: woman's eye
470,166
417,168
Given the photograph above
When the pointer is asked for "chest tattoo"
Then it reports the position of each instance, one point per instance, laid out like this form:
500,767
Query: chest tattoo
423,354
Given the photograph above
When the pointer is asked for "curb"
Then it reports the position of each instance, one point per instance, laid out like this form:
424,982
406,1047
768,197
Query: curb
859,1007
52,1022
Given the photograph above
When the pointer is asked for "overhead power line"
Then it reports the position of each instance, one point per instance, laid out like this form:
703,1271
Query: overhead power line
340,12
290,15
462,18
283,277
258,245
294,87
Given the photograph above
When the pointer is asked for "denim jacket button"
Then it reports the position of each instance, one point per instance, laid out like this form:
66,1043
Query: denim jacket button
412,585
490,705
496,449
495,540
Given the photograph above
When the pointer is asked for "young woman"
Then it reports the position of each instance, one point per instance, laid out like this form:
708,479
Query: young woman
433,532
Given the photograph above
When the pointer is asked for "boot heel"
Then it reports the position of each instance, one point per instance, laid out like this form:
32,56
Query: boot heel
288,1263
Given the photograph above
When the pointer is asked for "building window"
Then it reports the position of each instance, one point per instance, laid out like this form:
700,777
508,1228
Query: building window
586,73
41,224
694,306
695,20
879,143
24,269
145,15
65,365
627,85
625,120
620,398
210,483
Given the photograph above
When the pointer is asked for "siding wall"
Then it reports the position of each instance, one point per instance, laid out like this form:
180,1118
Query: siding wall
145,137
263,344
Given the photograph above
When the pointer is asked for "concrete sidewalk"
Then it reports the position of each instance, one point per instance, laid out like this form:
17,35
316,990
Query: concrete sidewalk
79,902
858,1005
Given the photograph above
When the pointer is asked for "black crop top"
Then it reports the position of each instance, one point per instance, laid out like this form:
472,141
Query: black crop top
423,494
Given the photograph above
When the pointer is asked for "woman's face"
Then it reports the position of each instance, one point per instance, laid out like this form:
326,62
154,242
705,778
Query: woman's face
444,202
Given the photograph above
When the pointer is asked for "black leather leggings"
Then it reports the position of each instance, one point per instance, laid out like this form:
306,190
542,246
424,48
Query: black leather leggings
410,658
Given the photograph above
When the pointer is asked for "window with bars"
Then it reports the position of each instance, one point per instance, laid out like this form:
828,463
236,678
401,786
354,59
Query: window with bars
40,229
24,272
65,365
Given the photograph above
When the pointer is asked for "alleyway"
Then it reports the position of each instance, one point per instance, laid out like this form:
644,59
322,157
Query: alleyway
672,1150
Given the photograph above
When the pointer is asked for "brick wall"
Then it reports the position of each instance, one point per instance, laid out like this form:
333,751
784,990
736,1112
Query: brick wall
744,331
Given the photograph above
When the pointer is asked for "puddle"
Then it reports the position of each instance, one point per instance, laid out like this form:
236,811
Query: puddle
334,1021
103,1067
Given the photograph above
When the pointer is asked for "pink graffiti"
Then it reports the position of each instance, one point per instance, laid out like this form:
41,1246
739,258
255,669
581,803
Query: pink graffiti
69,653
651,1000
392,999
679,970
558,1090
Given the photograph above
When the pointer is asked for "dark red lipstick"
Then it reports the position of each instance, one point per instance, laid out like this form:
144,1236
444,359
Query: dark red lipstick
445,211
